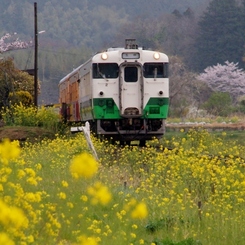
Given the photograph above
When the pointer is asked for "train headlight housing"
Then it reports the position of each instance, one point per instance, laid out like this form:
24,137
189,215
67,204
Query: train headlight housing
104,56
156,56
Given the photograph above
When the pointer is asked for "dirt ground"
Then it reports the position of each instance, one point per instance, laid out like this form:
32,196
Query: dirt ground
209,126
32,134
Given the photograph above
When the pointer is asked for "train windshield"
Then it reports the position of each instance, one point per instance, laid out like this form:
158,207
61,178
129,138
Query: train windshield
131,74
156,70
105,70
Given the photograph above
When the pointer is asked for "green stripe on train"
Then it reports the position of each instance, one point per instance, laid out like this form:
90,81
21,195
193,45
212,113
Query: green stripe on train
105,109
157,108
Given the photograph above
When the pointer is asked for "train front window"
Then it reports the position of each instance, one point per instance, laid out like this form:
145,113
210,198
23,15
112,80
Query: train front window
156,70
105,70
130,74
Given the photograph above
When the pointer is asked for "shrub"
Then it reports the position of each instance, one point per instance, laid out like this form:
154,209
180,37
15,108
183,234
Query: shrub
20,115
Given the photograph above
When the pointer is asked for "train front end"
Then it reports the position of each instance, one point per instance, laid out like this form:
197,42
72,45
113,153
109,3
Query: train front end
130,93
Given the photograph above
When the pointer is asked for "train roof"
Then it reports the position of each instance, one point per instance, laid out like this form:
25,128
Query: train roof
130,44
74,71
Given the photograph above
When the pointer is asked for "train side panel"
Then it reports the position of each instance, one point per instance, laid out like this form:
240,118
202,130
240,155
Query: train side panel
85,92
68,97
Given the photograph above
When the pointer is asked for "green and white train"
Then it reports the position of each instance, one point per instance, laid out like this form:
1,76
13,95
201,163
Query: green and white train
122,92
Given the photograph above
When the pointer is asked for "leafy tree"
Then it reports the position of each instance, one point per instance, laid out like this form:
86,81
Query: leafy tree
12,81
221,35
219,104
225,78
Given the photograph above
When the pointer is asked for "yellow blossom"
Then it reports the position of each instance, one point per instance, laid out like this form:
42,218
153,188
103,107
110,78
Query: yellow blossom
33,197
84,198
12,216
64,183
4,239
140,211
134,226
83,165
100,194
84,240
70,205
9,150
62,195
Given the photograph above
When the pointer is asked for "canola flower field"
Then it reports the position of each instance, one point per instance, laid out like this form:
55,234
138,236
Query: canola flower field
55,192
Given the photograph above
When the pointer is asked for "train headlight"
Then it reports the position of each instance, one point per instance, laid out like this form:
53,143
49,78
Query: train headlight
104,56
156,56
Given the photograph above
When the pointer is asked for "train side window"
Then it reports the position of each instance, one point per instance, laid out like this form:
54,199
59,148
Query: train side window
131,74
156,70
105,70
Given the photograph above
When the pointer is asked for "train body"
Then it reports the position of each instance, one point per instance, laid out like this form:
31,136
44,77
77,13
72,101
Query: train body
122,92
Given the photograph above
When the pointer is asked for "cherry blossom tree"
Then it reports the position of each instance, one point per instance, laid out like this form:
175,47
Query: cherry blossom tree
225,78
12,42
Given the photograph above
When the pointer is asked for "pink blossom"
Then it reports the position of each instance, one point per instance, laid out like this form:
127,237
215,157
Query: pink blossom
14,43
225,78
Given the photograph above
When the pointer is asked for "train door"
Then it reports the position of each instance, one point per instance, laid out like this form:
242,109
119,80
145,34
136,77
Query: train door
131,90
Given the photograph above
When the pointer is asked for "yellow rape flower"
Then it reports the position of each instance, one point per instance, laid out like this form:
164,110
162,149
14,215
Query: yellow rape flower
83,165
33,197
64,183
134,226
83,240
4,239
100,194
84,198
21,173
61,195
9,150
12,216
140,211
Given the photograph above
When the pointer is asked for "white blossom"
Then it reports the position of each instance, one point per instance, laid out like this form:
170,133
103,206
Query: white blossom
225,78
14,43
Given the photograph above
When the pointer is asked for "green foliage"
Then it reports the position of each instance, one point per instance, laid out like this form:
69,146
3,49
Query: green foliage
219,104
14,84
241,107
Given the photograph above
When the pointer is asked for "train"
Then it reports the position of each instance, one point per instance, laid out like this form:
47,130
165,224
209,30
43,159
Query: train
122,92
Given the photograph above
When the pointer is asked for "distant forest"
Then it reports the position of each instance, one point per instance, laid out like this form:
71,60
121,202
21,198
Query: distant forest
90,23
75,30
